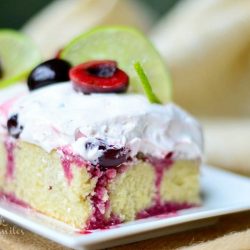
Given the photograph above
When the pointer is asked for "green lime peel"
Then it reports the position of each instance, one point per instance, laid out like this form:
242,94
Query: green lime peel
146,84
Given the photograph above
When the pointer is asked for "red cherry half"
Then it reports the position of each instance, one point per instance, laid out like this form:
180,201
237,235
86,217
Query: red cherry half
100,76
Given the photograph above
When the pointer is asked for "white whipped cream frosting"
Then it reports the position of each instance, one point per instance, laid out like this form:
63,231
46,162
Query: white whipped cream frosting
57,116
8,97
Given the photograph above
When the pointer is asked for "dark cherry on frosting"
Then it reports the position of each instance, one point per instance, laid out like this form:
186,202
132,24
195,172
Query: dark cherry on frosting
49,72
13,127
99,76
112,156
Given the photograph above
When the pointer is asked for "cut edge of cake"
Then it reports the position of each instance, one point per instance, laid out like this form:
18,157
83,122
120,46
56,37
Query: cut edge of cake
92,199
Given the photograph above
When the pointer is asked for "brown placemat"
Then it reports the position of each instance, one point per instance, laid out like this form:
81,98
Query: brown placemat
217,237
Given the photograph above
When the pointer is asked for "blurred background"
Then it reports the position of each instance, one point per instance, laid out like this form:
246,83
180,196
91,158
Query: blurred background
205,45
13,14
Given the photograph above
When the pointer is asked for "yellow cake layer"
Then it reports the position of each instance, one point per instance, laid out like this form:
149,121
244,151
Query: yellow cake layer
39,181
181,183
132,191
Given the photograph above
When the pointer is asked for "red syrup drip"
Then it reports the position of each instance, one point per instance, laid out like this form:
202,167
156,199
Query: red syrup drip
84,232
160,165
167,209
98,201
67,159
13,199
10,165
162,208
101,205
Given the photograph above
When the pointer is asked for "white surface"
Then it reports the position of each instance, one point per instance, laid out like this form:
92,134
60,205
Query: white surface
57,115
223,193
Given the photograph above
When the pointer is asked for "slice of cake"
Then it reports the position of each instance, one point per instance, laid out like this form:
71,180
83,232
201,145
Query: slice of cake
99,159
92,153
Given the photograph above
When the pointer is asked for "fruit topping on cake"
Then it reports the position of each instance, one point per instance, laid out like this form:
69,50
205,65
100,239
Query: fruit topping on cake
49,72
146,84
8,96
126,46
102,76
14,129
18,55
111,156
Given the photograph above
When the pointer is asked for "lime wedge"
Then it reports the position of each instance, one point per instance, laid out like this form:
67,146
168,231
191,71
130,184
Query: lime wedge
126,46
146,84
18,55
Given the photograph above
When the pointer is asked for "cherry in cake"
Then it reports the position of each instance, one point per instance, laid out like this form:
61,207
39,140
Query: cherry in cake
112,155
13,127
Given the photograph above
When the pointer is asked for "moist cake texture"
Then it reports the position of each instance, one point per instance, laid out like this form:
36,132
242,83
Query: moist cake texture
97,160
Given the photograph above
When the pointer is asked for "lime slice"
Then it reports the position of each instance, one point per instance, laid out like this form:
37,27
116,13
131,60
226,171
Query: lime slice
146,84
126,46
18,55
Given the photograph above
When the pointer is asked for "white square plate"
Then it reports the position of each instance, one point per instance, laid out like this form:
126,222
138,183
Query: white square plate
222,192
